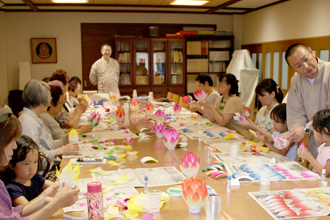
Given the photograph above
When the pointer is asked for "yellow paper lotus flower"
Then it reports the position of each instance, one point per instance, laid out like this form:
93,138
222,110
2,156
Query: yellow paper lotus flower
69,176
73,136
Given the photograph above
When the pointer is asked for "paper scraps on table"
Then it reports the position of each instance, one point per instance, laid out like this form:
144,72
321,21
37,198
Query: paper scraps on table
96,145
148,159
114,163
68,175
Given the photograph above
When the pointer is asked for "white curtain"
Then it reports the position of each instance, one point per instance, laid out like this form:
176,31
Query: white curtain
242,66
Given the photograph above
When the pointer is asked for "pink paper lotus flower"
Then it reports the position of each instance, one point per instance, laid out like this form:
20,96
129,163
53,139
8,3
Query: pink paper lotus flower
159,129
200,94
177,109
186,99
190,165
246,112
94,118
120,114
194,193
135,105
280,143
150,109
160,115
240,119
171,138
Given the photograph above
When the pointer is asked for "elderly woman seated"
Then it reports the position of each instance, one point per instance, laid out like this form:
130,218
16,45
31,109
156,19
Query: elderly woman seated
64,117
36,96
58,99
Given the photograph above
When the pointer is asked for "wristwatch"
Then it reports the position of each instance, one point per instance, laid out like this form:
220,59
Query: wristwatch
307,130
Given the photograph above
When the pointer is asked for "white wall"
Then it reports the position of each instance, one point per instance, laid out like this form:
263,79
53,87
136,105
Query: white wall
3,61
65,27
288,20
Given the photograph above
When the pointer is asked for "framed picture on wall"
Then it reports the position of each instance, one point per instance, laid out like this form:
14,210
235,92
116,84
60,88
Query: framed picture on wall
43,50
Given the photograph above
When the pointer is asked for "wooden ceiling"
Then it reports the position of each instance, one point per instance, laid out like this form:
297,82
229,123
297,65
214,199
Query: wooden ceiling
140,6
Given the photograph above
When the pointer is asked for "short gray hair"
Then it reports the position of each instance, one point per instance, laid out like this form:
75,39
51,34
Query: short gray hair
35,93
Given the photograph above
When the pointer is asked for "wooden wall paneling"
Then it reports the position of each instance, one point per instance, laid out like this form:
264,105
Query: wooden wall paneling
315,43
93,35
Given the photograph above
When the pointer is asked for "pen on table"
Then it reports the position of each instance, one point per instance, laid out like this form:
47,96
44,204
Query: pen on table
110,158
145,184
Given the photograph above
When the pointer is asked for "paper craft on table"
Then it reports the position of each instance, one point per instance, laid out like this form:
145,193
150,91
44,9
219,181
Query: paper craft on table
157,176
148,159
240,119
68,175
296,203
111,195
286,171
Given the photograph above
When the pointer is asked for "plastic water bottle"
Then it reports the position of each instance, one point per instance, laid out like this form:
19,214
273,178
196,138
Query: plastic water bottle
95,201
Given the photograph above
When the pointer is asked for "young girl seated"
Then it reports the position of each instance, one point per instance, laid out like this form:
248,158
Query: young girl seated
278,115
321,125
24,183
270,95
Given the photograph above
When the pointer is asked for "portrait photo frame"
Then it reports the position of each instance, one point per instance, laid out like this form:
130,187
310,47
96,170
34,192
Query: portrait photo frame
43,50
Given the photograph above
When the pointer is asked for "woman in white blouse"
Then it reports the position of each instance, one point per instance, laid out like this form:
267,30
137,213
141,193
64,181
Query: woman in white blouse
36,96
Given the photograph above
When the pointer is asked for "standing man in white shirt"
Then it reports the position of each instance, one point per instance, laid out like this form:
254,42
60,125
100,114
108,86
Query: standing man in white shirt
105,72
309,92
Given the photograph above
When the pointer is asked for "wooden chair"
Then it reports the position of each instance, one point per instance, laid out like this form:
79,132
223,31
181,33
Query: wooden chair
42,157
183,105
169,95
176,98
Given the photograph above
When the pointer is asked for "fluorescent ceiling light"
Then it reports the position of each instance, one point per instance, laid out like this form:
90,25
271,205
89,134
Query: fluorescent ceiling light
188,2
69,1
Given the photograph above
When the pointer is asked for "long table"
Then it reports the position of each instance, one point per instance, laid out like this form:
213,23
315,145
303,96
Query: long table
237,204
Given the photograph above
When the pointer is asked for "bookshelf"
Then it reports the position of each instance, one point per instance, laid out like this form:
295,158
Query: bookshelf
207,54
151,64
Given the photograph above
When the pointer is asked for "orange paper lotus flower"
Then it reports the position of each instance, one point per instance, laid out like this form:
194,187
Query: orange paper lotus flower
194,193
120,114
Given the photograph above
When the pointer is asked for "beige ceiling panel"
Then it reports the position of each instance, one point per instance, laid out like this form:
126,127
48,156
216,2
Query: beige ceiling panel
252,3
215,3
